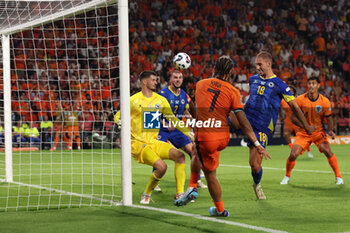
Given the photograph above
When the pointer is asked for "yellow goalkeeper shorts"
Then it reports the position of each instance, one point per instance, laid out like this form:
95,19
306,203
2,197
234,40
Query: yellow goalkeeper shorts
154,151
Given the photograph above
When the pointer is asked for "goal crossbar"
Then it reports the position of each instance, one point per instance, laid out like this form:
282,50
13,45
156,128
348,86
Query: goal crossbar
56,16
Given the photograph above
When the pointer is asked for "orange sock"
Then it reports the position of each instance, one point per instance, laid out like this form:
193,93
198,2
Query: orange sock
219,206
70,140
289,167
193,180
334,164
65,139
78,141
56,139
290,145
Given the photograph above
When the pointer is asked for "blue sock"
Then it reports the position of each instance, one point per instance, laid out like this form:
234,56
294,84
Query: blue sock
153,169
257,176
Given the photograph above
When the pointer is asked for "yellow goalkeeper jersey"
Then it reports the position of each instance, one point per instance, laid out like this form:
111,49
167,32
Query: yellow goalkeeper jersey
146,117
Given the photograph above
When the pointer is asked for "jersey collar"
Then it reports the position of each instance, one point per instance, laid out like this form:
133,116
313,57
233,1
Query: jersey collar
174,92
318,95
273,76
224,80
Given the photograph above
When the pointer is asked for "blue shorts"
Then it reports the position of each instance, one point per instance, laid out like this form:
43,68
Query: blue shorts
176,137
262,138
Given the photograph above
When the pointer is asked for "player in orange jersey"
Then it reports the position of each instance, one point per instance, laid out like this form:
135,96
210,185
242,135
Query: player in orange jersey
215,98
71,122
58,126
316,108
289,126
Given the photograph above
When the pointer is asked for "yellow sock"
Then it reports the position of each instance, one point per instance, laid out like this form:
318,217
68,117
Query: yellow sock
152,183
180,176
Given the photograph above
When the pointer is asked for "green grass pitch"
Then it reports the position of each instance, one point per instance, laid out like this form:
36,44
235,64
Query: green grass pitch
310,203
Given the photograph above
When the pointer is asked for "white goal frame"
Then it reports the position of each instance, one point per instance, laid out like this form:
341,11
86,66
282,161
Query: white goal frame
124,77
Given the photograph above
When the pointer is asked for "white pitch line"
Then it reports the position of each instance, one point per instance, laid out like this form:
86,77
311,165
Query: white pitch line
283,169
211,219
65,192
267,168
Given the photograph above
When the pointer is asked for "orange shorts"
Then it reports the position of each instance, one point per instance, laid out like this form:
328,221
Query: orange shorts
208,152
304,140
74,129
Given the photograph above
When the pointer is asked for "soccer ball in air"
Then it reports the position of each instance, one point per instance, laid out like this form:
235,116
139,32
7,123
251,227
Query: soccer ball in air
182,61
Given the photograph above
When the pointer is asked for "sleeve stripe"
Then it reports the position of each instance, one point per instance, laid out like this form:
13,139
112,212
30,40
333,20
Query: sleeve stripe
238,110
288,98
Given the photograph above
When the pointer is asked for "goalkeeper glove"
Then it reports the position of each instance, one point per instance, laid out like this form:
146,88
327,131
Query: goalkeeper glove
119,124
117,120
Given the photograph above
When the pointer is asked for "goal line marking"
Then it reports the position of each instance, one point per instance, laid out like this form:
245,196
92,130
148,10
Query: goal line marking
113,203
211,219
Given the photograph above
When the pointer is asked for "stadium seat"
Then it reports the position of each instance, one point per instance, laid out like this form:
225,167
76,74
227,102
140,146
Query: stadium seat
343,124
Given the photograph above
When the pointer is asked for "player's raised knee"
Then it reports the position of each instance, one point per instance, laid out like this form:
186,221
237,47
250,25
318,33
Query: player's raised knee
176,155
160,167
180,157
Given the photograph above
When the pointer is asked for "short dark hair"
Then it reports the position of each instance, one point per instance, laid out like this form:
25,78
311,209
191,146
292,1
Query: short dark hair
223,66
265,55
147,74
317,79
176,72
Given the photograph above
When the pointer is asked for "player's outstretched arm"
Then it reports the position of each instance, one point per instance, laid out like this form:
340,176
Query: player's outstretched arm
188,115
192,109
330,127
234,121
263,153
296,121
300,116
248,131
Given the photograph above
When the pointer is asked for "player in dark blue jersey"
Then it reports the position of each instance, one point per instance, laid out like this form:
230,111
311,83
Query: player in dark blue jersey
266,92
180,103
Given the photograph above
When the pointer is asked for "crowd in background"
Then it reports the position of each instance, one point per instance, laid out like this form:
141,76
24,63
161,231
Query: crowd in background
66,67
72,64
306,38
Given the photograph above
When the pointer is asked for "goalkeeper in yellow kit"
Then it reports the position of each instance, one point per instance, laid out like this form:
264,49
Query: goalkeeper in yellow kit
146,108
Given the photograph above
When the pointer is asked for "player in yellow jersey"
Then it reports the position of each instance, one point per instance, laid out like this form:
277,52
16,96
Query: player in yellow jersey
146,108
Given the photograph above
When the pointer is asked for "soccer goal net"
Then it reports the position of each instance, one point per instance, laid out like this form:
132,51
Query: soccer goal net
60,89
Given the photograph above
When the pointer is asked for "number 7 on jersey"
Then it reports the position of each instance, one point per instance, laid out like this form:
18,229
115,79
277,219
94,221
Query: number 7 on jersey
215,98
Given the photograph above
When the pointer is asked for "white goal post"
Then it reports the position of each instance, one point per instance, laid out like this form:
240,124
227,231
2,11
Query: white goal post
14,20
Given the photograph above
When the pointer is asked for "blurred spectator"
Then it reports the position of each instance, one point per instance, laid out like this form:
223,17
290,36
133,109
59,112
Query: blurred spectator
81,70
87,120
46,132
242,77
31,134
320,44
17,134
